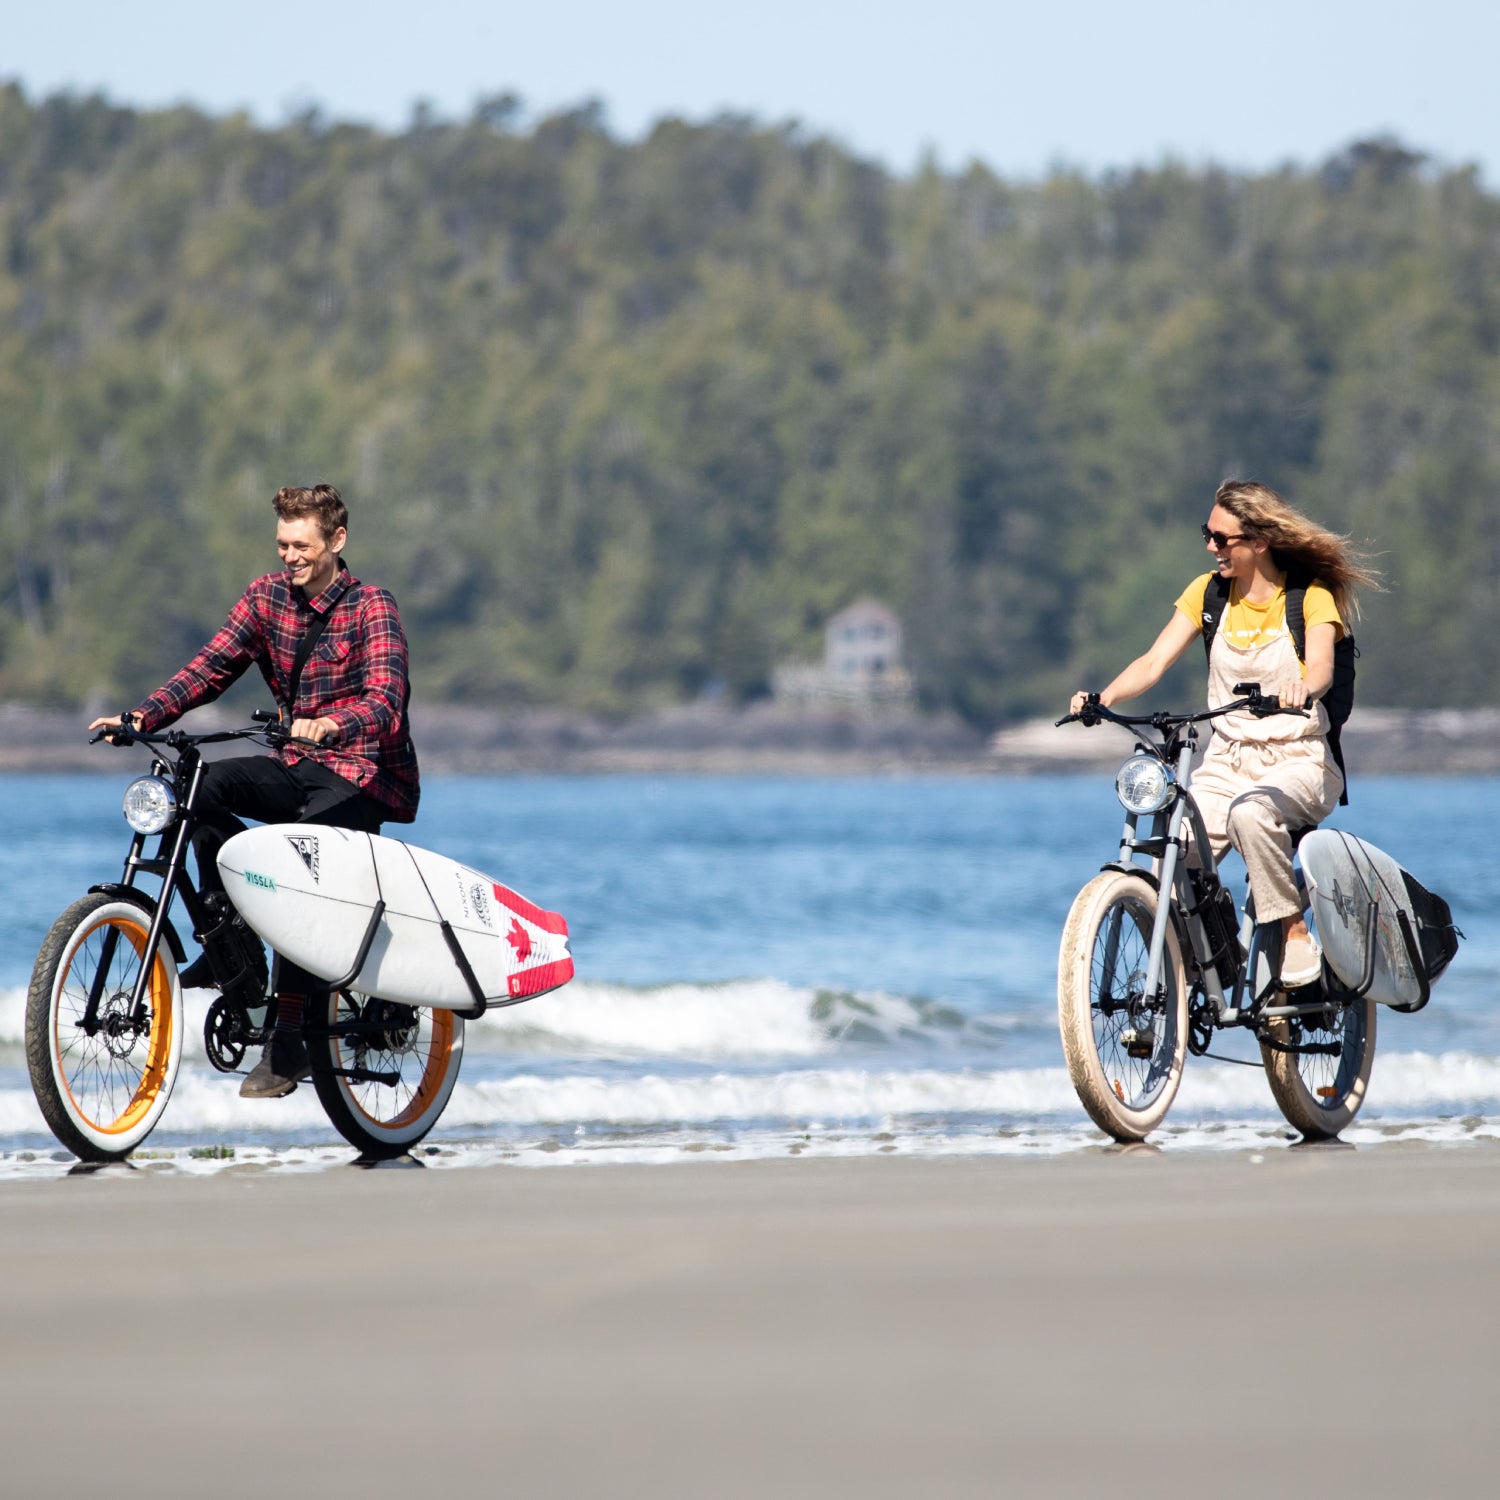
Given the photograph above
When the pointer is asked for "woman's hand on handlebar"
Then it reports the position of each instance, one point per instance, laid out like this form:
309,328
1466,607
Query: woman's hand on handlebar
1263,705
1084,707
1295,695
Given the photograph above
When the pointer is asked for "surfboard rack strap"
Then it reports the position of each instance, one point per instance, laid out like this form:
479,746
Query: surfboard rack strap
1367,978
461,962
1419,967
364,949
1413,954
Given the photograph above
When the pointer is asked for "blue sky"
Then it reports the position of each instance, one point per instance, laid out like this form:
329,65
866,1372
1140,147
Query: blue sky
1018,86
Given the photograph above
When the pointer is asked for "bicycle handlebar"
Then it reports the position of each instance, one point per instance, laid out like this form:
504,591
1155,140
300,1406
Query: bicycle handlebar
268,728
1262,705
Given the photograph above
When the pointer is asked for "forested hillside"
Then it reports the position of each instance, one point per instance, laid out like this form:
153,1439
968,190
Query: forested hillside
618,421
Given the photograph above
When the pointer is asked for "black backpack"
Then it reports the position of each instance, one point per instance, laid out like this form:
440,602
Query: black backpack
1339,699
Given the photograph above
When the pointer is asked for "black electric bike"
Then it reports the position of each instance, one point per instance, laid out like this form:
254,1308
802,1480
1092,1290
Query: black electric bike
104,1014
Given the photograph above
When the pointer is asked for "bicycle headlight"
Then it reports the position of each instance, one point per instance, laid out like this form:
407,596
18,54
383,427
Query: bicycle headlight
1144,785
149,805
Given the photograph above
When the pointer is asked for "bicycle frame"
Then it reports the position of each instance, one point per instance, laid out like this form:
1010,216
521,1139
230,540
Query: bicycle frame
1166,850
1259,944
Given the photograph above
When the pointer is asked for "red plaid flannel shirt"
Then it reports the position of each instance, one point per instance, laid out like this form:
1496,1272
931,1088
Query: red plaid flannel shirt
356,676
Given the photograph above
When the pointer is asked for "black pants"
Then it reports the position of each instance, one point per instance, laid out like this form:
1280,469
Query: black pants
260,787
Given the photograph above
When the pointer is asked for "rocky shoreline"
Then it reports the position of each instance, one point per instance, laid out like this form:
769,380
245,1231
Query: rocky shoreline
767,739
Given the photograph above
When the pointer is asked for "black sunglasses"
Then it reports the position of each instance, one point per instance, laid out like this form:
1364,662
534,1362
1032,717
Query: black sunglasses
1220,539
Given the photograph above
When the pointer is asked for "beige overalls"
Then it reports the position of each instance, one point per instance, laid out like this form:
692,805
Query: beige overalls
1260,779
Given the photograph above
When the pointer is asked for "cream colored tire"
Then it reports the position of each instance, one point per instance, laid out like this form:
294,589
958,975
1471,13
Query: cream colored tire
1125,1053
1318,1094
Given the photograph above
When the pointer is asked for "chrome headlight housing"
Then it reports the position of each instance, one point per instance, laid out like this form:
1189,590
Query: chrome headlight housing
149,804
1145,785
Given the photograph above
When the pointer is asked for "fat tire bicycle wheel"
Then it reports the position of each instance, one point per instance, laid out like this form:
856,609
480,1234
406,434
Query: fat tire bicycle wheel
102,1094
1320,1094
1125,1052
422,1047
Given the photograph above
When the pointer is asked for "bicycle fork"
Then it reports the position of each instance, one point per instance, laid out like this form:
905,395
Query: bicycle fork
169,870
1165,849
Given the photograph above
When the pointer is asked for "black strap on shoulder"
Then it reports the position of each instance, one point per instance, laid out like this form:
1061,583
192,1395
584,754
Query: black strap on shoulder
1296,605
1215,598
316,626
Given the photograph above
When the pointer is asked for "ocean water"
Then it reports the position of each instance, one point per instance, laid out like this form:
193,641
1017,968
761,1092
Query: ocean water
772,966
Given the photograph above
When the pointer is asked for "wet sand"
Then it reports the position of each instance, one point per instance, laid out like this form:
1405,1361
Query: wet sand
1216,1325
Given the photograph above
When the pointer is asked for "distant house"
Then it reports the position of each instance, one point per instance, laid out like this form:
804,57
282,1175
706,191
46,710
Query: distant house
861,664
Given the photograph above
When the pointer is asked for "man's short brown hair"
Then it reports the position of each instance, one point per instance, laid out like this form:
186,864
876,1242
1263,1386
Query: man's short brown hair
322,502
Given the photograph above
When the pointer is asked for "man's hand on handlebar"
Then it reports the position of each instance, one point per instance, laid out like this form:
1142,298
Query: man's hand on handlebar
116,728
319,731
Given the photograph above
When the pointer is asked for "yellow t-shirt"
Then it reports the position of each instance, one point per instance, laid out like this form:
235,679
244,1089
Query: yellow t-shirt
1245,624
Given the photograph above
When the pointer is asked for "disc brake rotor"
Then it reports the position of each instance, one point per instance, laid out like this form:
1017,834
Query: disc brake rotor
116,1026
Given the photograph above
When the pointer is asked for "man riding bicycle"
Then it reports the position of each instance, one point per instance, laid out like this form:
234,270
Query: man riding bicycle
333,653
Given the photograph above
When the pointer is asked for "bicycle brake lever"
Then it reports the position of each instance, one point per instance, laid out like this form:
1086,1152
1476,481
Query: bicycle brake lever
1088,715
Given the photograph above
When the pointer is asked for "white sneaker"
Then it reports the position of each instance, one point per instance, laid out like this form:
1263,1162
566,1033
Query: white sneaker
1301,963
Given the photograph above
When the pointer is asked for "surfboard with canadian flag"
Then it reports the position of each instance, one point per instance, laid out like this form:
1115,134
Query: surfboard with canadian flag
432,931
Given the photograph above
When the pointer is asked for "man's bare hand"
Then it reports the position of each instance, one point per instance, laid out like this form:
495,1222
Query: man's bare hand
109,726
319,731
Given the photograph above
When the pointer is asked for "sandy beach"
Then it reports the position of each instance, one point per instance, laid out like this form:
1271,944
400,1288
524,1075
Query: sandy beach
1138,1323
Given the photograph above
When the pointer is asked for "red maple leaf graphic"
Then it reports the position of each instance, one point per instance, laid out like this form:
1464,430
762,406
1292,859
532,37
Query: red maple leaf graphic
519,939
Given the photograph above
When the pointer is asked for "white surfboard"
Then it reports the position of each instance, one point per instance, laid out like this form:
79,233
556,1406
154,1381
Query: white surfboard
1344,876
310,893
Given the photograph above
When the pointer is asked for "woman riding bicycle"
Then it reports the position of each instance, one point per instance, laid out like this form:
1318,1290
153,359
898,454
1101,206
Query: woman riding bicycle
1261,779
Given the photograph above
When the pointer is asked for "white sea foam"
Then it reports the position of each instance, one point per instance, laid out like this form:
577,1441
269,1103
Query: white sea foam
759,1067
1405,1086
796,1096
740,1020
12,1017
581,1147
748,1019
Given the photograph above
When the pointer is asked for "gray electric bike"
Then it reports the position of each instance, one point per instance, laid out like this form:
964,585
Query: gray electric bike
1155,960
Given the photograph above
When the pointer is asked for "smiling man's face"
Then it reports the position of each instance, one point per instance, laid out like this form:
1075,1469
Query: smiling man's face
311,560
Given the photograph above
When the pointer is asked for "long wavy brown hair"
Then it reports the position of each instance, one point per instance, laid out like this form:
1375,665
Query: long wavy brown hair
1300,543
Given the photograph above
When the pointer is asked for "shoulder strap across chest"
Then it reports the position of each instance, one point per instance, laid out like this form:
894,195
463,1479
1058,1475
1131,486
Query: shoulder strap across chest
1216,600
315,628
